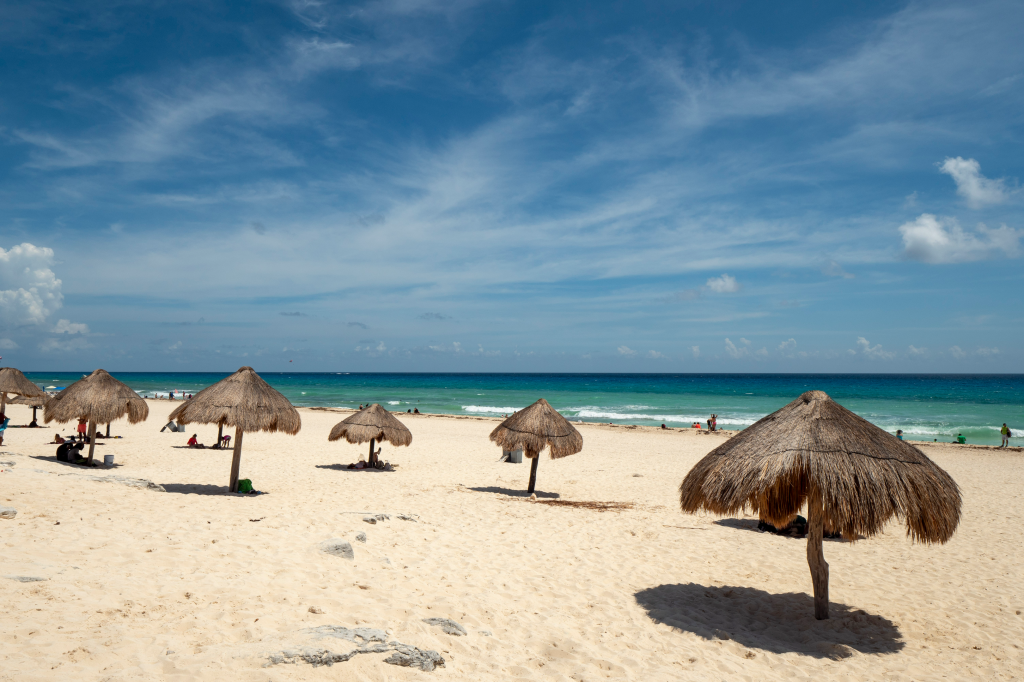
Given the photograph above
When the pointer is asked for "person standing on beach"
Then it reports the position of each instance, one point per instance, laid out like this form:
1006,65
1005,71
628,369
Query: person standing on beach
1005,432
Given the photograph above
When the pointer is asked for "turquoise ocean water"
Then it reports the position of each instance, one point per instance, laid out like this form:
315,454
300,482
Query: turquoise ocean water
926,407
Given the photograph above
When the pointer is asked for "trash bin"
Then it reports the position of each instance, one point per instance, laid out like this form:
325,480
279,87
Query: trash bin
108,460
514,456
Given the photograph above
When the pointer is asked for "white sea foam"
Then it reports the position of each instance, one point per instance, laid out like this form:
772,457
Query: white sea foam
486,409
394,402
593,413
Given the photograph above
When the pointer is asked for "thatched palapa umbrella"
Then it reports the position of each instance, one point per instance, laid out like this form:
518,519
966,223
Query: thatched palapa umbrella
242,400
533,428
14,382
97,398
373,423
35,402
853,476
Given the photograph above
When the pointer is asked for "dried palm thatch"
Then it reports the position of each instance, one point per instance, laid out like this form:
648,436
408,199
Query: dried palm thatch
35,402
14,382
535,427
853,476
98,399
242,400
374,424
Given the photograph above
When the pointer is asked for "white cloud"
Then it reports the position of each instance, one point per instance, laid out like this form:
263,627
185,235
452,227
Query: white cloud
734,351
7,344
956,352
910,201
174,346
626,350
874,352
987,352
69,327
654,354
942,240
64,346
789,344
834,269
29,291
745,342
914,350
971,184
695,350
723,285
761,353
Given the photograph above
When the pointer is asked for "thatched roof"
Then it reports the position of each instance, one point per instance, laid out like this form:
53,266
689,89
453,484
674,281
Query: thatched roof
14,382
34,401
373,422
865,475
536,426
99,398
242,400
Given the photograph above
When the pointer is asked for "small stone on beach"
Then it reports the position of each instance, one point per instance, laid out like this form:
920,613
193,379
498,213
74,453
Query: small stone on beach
337,547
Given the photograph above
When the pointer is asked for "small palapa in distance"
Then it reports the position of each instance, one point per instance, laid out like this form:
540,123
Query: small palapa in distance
535,427
852,475
374,424
242,400
99,399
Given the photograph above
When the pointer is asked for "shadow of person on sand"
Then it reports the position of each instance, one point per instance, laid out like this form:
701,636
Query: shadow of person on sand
515,493
780,623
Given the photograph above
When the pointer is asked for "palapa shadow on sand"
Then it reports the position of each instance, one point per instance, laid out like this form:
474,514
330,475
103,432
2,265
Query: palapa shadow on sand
344,467
98,463
751,524
199,489
514,493
780,623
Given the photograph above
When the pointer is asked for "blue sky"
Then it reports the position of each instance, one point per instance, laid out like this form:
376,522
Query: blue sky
413,185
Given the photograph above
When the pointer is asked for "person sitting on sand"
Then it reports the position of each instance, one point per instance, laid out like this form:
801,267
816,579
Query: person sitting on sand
68,451
4,419
960,439
663,427
899,433
193,442
416,410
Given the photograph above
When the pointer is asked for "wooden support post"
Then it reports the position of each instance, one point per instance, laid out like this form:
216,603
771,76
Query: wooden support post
92,439
3,403
369,460
236,460
815,555
220,433
533,469
108,431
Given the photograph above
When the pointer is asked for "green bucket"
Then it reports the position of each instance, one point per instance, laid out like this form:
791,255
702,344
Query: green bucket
244,485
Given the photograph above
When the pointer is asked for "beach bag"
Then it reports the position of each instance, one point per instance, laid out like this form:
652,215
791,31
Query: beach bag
245,486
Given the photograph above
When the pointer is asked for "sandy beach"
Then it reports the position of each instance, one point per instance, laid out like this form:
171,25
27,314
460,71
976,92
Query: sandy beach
118,580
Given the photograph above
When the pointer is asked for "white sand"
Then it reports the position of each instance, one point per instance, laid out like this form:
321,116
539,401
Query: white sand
144,584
